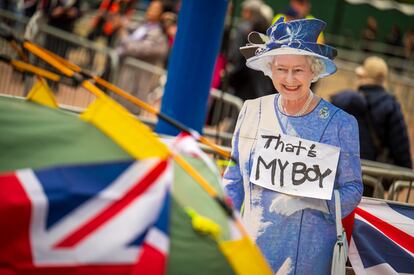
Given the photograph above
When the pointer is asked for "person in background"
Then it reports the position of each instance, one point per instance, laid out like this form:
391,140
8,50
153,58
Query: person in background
354,103
111,16
394,41
146,42
220,65
298,9
30,7
296,234
383,132
369,34
408,42
169,23
245,83
385,113
394,38
60,14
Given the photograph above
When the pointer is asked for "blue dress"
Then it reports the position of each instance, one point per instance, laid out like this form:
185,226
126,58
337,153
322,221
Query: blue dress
298,233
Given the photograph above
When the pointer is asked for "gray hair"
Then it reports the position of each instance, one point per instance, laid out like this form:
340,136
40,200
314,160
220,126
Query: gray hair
317,66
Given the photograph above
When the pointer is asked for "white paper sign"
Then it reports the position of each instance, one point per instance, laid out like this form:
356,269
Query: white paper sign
294,165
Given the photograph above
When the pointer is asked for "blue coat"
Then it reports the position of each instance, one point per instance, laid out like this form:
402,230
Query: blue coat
389,123
354,103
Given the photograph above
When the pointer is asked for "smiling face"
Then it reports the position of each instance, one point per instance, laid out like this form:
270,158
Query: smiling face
292,76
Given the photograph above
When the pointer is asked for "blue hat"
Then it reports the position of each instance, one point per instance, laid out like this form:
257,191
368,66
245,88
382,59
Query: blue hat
297,37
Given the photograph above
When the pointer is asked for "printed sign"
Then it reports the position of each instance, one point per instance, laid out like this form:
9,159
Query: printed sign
294,165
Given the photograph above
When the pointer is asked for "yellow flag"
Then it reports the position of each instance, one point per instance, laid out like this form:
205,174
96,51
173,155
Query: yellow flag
245,257
133,136
41,94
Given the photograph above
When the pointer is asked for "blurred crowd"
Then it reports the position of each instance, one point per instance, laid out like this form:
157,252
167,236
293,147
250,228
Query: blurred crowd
151,38
395,38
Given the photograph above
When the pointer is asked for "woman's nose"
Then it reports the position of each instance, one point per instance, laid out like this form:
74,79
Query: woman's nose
289,76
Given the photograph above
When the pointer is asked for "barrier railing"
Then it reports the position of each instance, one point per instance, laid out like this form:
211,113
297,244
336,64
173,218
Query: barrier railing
222,114
91,56
401,188
75,48
356,50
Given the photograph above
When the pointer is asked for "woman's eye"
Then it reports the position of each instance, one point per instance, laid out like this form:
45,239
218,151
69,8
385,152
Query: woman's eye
298,70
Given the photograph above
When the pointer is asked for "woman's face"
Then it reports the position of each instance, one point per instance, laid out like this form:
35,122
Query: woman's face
154,11
291,76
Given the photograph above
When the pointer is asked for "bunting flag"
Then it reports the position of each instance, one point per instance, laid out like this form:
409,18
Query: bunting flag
104,217
383,238
41,94
186,144
130,134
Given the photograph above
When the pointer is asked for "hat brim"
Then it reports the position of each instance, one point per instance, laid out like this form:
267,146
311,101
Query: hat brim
262,62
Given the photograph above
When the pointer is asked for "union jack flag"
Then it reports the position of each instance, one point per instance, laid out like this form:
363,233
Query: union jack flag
109,218
382,238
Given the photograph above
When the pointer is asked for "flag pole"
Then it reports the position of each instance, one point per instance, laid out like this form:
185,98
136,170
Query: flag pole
140,103
29,68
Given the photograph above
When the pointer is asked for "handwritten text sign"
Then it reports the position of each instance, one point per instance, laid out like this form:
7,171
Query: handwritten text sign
294,165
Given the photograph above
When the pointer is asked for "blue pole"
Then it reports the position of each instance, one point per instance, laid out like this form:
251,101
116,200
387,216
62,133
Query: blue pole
196,46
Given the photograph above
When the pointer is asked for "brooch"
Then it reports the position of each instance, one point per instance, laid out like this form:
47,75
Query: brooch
324,113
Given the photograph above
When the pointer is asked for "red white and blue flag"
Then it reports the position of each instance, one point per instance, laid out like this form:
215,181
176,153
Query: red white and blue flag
382,238
109,218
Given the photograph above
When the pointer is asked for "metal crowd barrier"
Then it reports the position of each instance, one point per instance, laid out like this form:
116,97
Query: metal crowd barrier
223,111
11,82
76,49
348,42
402,179
356,50
92,56
145,80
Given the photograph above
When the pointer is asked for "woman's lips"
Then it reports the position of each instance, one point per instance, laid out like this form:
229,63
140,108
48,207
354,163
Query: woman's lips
291,88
